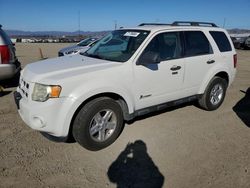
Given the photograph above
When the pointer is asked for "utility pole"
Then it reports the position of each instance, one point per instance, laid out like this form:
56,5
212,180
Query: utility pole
224,22
115,24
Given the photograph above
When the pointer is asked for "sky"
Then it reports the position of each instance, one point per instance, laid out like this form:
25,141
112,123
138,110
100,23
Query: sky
99,15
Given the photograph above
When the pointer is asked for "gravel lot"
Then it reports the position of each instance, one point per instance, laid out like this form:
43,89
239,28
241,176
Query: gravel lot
180,147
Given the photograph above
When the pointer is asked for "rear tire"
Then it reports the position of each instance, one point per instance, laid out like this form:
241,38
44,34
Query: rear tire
98,124
214,94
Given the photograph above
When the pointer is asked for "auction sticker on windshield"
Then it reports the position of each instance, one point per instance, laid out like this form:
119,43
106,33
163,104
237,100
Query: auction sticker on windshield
131,34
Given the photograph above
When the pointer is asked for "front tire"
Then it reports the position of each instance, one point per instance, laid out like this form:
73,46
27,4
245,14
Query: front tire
214,94
98,124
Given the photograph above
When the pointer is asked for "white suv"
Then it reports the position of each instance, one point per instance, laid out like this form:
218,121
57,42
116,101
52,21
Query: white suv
128,73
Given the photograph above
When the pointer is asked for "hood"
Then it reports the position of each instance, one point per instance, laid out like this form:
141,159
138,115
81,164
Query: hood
63,67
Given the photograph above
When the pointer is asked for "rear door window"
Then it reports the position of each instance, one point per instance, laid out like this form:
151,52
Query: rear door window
221,40
196,43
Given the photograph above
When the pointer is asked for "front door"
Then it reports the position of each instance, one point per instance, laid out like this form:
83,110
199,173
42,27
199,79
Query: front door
160,82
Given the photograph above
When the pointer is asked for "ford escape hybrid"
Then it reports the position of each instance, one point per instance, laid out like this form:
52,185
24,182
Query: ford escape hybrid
128,73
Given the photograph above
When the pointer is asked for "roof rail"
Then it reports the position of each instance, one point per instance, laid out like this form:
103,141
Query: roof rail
142,24
188,23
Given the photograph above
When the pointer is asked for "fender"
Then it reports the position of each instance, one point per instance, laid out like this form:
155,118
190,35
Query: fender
90,89
212,72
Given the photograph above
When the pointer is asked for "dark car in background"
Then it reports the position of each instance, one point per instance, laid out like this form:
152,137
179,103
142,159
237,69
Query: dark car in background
241,42
82,46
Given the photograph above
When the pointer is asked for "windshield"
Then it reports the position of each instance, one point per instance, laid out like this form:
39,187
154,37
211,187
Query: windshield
86,41
119,45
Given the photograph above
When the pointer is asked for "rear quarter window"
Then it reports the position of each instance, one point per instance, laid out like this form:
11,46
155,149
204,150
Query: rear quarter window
221,40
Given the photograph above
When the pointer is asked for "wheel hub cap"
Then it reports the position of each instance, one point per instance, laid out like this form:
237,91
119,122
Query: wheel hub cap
102,125
216,94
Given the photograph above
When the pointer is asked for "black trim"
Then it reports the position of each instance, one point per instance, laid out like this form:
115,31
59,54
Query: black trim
159,107
183,23
17,97
191,23
142,24
54,138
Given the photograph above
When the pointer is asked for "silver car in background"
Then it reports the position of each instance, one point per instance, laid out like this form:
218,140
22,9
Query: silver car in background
9,65
82,46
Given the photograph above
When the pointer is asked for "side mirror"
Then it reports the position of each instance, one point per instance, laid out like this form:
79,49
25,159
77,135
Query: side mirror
148,58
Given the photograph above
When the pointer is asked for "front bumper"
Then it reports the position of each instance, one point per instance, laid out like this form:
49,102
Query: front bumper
51,117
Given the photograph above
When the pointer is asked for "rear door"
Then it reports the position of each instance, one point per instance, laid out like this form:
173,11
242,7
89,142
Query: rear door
198,58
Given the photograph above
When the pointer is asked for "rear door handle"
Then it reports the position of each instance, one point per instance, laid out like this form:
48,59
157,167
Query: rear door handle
210,61
175,68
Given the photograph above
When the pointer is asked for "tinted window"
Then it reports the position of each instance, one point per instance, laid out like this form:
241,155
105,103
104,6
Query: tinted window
5,37
196,43
167,45
221,40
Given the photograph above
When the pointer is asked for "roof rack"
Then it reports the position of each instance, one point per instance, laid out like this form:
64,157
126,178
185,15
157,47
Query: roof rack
142,24
187,23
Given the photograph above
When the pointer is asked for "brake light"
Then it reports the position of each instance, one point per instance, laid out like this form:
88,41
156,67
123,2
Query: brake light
5,54
235,60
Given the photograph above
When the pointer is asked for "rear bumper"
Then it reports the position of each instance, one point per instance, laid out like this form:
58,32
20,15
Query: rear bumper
8,71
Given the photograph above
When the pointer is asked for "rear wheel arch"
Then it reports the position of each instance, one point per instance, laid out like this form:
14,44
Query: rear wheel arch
221,74
224,75
214,94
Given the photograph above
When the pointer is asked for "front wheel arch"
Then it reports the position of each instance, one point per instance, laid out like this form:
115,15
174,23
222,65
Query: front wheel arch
87,118
120,100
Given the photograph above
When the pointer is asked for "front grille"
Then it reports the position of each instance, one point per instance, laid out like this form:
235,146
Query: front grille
24,87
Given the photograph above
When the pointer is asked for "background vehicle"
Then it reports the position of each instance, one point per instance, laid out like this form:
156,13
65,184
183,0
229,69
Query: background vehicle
82,46
9,65
242,42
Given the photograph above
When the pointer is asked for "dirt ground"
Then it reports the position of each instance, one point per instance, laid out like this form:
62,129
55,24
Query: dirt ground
181,147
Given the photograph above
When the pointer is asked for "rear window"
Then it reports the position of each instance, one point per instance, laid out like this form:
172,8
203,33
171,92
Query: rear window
5,38
221,40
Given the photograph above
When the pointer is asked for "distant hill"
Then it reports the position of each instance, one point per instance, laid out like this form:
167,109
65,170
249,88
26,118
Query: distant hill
238,31
53,33
92,33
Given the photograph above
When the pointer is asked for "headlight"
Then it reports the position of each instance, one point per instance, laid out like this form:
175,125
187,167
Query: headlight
42,92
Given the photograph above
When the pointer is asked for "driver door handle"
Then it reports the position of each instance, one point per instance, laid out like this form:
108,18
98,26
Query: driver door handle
210,61
175,68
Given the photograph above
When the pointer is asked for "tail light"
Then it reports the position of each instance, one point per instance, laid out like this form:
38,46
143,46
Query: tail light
235,60
5,54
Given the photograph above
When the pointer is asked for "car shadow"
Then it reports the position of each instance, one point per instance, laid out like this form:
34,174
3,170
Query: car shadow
135,168
3,93
9,83
242,108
